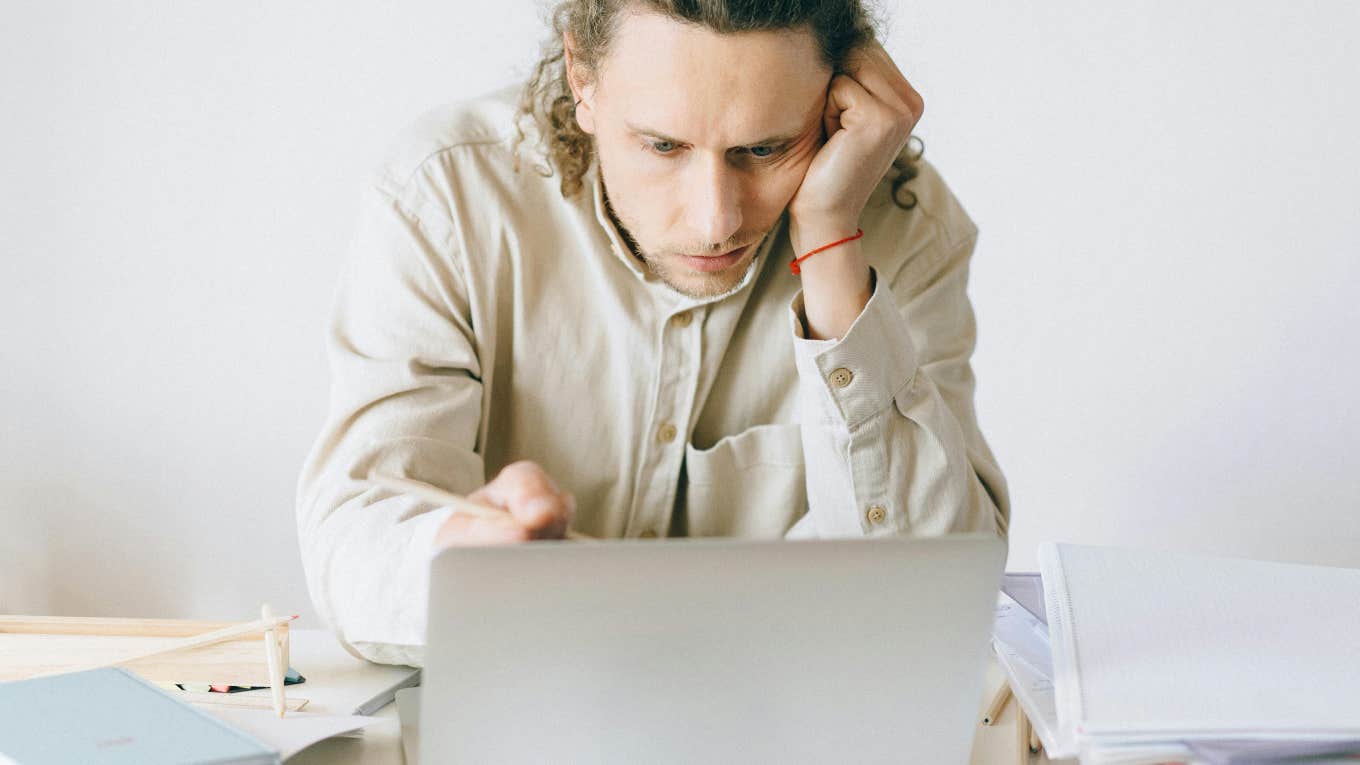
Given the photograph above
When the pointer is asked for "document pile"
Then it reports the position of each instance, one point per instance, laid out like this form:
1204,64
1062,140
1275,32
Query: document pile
1138,657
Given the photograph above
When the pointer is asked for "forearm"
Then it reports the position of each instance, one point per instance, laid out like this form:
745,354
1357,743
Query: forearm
365,550
836,282
367,568
887,451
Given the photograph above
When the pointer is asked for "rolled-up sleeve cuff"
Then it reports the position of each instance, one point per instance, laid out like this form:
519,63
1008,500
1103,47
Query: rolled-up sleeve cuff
856,376
384,575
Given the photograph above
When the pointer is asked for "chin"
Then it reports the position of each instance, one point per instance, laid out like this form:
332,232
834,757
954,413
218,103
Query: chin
698,284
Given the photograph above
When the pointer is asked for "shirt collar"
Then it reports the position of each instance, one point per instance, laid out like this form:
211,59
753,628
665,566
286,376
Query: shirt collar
611,231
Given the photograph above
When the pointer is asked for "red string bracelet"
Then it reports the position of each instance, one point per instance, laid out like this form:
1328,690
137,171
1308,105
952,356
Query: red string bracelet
794,265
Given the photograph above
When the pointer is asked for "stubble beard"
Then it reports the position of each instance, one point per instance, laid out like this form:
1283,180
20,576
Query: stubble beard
699,286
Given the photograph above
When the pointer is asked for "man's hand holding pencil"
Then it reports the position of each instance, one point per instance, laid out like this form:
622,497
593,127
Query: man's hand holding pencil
519,505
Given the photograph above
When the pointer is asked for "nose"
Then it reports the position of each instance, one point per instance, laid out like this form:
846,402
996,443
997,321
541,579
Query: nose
714,206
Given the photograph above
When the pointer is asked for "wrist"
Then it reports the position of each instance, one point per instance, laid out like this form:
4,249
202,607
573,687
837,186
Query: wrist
836,282
842,264
809,233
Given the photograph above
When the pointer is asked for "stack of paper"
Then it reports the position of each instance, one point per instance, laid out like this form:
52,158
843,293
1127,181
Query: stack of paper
1134,657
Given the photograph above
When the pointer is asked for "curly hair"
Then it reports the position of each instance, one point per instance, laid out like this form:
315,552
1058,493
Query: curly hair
839,26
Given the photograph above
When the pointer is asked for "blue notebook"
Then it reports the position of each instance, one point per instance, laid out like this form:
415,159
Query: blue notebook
113,717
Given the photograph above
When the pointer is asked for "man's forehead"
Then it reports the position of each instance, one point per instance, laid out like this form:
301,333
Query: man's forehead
678,81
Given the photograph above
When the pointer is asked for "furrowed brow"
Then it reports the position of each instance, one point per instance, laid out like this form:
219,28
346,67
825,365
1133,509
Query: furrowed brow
642,130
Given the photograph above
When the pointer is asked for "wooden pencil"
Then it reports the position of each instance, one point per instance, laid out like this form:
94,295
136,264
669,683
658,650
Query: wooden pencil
1003,694
195,641
274,655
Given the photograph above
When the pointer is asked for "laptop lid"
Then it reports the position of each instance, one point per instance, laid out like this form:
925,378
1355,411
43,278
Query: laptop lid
709,650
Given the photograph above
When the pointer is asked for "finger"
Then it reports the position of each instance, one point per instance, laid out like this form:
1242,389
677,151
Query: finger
877,84
863,114
545,515
462,530
524,489
560,520
898,80
847,95
516,483
542,515
831,113
878,74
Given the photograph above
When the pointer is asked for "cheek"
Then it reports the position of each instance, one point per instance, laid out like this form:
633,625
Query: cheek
778,186
784,179
627,175
804,151
632,197
634,180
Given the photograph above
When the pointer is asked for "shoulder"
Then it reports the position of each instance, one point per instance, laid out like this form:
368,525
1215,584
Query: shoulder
906,244
459,145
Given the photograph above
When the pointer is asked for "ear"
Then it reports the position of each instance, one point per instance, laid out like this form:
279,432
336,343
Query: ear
583,94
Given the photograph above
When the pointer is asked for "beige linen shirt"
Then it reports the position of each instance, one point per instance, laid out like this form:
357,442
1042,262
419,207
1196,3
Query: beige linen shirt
482,318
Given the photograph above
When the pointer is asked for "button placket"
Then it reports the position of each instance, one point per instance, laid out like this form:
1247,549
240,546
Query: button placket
678,381
666,433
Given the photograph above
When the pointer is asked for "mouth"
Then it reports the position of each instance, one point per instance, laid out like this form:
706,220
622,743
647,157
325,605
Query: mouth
710,263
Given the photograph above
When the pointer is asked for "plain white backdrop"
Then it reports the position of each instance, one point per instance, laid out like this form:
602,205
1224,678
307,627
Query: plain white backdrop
1166,281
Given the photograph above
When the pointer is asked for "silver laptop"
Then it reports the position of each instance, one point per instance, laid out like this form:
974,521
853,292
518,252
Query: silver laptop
709,651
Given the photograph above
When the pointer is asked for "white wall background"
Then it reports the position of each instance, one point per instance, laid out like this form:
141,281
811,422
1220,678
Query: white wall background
1166,282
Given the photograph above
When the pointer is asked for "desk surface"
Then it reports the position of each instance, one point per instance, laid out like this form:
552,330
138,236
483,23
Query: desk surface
333,677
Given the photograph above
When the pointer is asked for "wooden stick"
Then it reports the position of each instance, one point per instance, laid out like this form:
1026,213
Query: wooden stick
1034,743
100,626
1022,731
1003,694
273,651
439,496
197,641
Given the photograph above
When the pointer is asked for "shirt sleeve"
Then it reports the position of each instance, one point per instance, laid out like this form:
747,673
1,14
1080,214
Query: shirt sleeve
890,438
405,399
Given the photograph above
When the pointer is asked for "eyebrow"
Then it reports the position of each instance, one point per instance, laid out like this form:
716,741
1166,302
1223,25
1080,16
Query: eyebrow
763,142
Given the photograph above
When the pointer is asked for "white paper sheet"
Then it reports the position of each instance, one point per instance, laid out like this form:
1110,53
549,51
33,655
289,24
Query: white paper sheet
1027,589
289,734
1240,752
1024,635
1021,645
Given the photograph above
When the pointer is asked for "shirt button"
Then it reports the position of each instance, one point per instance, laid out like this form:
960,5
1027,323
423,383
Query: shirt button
681,319
876,514
841,377
648,534
666,433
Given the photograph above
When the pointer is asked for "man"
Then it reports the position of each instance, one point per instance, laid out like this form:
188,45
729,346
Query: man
624,350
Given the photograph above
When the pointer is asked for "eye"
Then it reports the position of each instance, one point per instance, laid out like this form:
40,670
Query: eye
662,147
756,151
